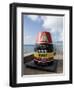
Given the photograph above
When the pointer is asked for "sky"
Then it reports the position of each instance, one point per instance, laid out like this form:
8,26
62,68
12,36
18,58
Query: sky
32,24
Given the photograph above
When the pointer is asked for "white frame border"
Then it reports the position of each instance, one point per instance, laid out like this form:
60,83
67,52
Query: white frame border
45,77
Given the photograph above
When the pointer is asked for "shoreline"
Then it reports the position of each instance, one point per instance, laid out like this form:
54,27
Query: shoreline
28,54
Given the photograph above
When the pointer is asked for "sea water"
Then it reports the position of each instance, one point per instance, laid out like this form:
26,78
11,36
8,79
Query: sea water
58,48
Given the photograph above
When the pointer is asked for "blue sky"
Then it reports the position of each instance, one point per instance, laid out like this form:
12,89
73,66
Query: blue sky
32,24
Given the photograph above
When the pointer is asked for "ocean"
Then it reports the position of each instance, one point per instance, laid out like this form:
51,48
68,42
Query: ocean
58,48
28,48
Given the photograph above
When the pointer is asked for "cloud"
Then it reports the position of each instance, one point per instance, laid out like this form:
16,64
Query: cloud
48,21
28,39
52,23
61,37
33,17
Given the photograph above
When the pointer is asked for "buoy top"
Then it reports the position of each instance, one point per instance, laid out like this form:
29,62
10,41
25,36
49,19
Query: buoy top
44,38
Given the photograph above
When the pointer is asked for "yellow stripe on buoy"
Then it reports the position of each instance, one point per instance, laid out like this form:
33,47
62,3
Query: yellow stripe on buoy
45,55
